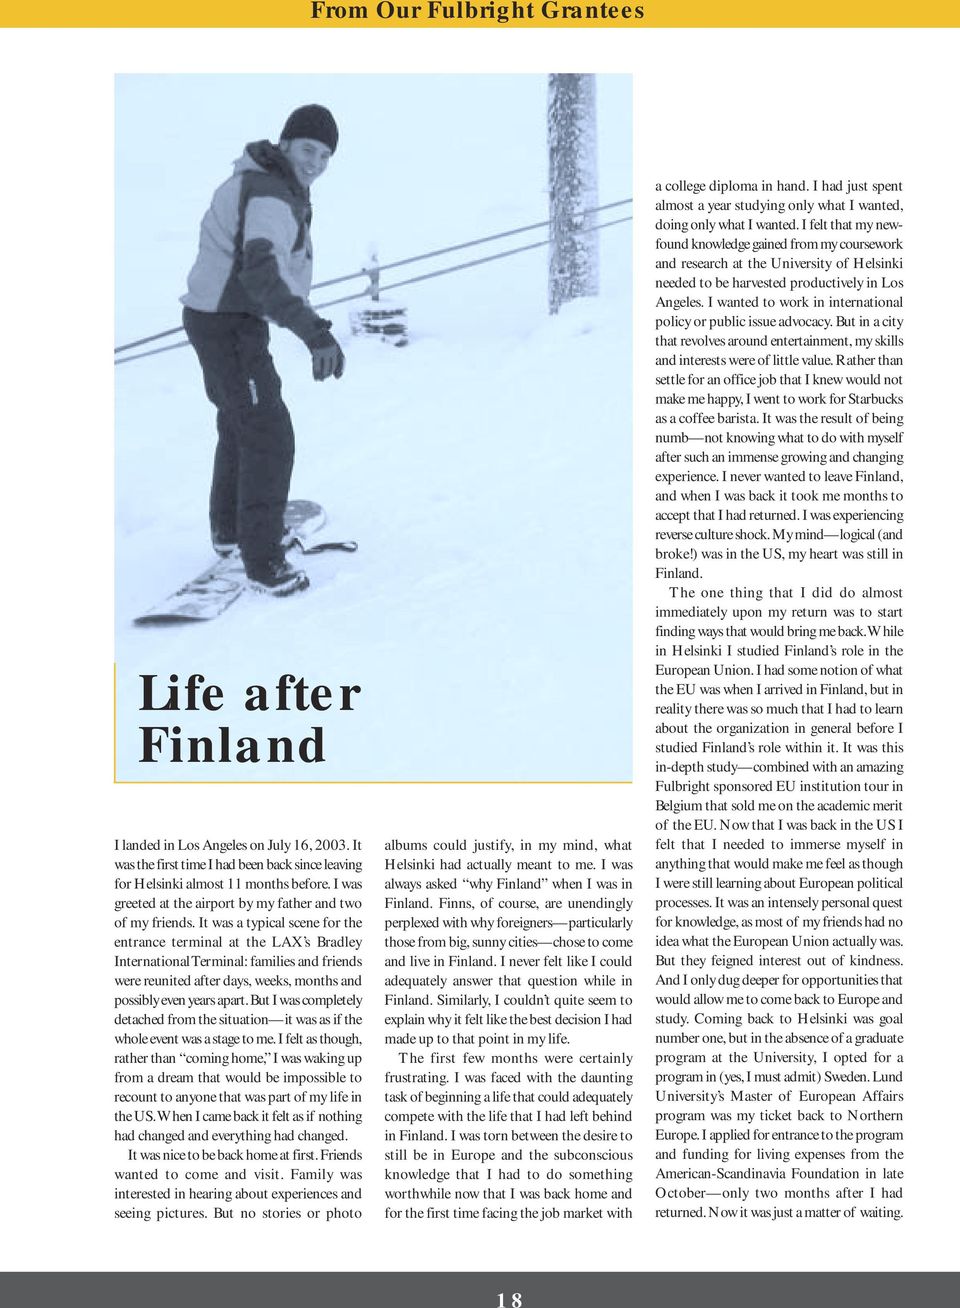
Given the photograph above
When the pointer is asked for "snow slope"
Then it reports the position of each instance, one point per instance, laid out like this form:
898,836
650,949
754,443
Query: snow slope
485,469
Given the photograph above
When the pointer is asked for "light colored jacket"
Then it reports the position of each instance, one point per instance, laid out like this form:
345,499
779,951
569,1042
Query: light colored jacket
255,252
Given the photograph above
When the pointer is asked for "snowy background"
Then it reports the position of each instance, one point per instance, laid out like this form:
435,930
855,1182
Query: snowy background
485,470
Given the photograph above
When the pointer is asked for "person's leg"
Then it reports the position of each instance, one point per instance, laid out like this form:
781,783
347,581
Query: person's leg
255,448
213,337
265,452
223,486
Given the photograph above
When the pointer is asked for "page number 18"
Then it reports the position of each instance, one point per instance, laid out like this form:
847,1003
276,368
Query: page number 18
516,1301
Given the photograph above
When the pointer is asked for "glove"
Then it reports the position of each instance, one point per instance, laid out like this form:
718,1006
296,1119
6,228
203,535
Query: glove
328,360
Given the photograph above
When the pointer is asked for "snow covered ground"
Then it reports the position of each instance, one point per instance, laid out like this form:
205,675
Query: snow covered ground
484,470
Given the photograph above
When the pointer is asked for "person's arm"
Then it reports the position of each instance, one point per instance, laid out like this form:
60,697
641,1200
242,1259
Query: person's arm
270,230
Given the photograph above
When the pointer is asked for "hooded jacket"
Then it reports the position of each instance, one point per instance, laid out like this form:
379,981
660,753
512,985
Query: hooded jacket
255,252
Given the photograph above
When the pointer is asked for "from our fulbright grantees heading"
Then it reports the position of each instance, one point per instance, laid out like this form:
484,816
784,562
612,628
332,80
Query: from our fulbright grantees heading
465,11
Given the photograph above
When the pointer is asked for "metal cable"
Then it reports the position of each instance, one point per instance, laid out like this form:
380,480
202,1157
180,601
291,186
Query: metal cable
408,281
480,240
470,263
385,267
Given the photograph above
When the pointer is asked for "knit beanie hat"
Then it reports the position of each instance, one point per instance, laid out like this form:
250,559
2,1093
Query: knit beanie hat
311,122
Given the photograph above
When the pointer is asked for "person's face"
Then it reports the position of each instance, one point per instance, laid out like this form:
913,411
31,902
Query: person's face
308,159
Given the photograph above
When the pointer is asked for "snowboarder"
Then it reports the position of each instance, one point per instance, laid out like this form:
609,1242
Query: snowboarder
255,264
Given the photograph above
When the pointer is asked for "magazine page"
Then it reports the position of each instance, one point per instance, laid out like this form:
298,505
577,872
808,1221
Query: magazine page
481,770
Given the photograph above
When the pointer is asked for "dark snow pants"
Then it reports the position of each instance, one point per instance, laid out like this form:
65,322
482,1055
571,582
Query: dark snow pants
254,456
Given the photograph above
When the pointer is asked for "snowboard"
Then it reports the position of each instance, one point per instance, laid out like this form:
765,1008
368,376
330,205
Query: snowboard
212,591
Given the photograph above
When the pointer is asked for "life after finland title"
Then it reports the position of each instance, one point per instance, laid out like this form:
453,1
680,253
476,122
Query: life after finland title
162,743
466,11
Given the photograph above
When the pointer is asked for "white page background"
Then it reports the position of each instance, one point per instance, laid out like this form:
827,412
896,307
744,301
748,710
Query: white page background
715,103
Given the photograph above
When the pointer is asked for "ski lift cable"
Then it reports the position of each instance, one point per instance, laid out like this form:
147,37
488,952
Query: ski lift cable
471,263
464,245
397,263
363,295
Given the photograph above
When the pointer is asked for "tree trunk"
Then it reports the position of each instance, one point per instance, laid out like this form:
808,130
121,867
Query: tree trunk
572,145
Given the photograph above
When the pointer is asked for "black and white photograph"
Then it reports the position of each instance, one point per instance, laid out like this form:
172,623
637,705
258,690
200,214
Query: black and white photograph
374,361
